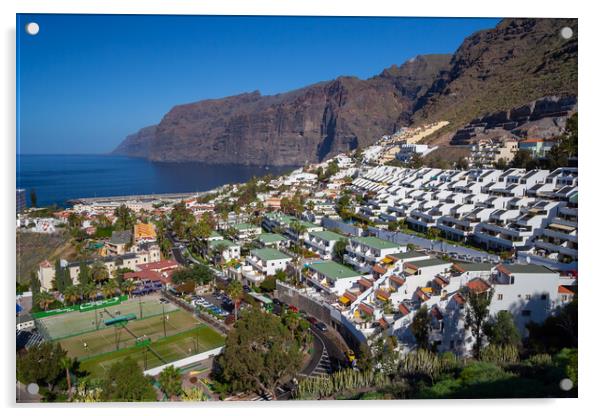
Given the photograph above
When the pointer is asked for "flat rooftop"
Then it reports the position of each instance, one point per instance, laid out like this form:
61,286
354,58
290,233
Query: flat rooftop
269,254
270,238
333,270
375,242
327,235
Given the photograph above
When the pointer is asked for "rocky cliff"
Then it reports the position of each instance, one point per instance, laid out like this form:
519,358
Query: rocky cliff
305,125
514,64
137,144
518,61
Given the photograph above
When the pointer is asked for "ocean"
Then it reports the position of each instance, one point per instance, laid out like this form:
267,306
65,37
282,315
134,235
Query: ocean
60,178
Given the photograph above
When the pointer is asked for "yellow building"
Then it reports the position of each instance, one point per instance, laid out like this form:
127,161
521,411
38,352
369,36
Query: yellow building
144,232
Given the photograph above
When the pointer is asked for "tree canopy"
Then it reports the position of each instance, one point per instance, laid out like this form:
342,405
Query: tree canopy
260,353
125,382
200,274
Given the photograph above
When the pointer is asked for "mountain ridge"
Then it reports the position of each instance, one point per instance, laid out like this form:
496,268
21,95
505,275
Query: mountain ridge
514,63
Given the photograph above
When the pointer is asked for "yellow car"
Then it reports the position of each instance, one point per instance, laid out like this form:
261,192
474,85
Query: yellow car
350,356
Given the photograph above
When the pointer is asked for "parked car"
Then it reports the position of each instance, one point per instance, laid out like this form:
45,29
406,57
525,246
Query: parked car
322,326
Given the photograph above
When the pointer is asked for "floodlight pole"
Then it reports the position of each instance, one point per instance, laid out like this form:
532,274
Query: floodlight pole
96,317
164,329
140,304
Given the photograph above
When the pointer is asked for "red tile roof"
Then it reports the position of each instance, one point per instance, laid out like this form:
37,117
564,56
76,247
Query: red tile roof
397,279
366,309
383,324
422,295
365,282
159,265
567,290
403,309
441,281
144,275
478,285
379,269
383,293
350,296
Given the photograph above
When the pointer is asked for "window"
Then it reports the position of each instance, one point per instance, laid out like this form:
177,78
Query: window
526,312
500,296
564,298
528,297
544,297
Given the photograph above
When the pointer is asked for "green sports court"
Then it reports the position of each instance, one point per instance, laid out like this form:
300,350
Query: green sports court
151,332
66,325
165,350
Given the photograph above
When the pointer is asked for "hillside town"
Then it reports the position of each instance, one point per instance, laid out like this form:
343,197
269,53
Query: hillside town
364,250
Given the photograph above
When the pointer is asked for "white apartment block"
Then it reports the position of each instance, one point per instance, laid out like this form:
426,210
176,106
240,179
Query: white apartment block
365,252
506,210
322,243
267,261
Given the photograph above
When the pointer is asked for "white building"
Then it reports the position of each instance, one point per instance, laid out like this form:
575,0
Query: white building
322,243
365,252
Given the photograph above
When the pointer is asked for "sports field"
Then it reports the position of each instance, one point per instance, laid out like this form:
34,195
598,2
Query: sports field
163,351
74,323
115,338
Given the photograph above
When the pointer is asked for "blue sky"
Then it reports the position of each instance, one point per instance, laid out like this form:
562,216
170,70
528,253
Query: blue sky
86,81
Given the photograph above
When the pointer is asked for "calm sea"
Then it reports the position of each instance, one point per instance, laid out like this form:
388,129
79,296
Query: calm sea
59,178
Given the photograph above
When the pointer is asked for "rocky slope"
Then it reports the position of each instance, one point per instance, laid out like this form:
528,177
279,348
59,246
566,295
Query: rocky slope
518,61
304,125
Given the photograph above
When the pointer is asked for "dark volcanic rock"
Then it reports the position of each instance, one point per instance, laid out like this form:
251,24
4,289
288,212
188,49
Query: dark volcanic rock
137,144
293,128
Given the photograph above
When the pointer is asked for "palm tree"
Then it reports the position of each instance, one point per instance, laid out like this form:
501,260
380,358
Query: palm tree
44,300
236,293
71,294
128,286
65,364
99,272
89,291
109,288
218,253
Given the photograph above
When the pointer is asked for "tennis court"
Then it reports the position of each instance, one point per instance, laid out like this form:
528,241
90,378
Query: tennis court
119,337
75,323
165,350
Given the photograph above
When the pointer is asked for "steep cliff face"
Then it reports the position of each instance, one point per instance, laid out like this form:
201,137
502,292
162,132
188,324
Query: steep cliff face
518,61
493,71
305,125
137,144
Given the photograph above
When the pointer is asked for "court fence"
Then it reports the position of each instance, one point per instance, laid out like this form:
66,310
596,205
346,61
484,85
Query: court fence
84,307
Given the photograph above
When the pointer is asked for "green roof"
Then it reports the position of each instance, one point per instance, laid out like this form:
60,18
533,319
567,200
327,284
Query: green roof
526,268
327,235
375,242
475,267
333,270
412,254
429,262
215,234
226,243
267,238
269,254
244,226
